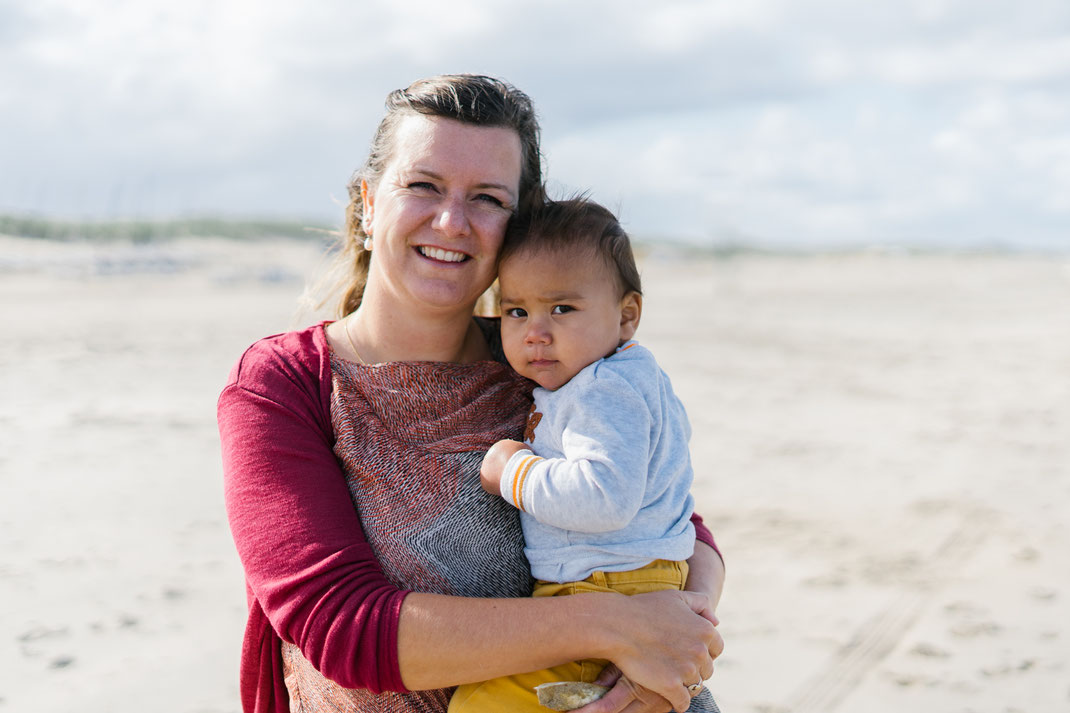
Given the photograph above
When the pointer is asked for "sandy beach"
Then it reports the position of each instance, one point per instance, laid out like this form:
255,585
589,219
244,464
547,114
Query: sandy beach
881,444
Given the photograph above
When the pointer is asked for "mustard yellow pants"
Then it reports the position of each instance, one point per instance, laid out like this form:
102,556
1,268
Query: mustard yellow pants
517,693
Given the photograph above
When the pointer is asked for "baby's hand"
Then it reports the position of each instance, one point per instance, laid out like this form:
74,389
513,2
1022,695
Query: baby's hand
490,473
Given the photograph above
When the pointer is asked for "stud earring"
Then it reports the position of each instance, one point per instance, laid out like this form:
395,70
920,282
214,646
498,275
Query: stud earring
368,243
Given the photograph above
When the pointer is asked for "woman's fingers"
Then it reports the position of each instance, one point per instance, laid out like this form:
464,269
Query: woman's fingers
706,672
716,648
700,604
609,675
627,697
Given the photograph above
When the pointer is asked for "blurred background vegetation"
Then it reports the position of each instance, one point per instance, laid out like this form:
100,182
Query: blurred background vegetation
146,231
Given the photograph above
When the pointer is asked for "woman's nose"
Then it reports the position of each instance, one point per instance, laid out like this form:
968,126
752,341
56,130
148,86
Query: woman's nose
452,220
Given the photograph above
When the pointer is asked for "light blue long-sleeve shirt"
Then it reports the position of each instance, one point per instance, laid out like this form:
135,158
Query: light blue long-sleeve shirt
607,485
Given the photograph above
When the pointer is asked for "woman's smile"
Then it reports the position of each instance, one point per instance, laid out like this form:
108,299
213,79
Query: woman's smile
441,255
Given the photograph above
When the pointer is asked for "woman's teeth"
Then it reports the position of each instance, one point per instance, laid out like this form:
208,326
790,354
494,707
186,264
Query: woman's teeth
444,255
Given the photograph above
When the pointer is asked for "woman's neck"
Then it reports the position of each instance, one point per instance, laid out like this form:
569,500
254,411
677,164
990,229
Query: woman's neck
381,333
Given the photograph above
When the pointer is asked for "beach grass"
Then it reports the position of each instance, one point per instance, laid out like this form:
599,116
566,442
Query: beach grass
162,229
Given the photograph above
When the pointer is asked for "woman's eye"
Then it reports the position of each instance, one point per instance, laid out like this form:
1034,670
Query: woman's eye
422,186
562,309
487,198
516,312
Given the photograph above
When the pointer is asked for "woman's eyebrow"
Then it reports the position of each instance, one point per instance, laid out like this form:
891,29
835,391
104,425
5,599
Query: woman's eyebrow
438,177
426,172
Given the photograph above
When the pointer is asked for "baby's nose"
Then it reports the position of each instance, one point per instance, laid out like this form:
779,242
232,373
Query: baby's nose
537,333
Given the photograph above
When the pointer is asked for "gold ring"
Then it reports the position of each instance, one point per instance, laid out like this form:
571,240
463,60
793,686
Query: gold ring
694,688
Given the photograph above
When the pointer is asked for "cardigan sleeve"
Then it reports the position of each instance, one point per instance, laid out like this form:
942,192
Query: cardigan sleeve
307,563
703,534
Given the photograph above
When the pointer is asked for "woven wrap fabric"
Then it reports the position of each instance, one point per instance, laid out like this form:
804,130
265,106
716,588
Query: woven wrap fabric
410,437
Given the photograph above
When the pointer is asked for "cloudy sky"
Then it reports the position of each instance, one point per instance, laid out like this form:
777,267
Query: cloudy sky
806,122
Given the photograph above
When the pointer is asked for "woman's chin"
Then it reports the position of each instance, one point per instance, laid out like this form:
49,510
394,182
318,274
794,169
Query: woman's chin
444,296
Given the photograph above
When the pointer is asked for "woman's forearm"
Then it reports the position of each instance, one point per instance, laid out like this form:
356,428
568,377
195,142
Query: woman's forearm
706,573
445,641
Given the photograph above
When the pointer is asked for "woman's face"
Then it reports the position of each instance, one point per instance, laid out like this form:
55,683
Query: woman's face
438,213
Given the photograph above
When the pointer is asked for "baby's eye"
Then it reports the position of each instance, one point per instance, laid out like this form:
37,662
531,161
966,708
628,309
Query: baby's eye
516,312
562,309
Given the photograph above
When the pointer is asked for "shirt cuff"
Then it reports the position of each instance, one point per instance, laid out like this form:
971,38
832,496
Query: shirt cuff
516,472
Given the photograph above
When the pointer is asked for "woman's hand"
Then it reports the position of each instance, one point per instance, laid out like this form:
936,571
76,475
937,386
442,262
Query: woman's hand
671,642
706,575
625,696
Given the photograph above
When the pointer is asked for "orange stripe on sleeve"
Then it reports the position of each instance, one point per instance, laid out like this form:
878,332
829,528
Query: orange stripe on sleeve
518,482
516,478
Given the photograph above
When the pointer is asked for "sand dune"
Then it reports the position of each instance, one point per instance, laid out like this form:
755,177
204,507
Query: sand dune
882,445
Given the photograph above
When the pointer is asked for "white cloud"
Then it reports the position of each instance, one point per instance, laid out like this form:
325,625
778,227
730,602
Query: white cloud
677,27
987,59
809,121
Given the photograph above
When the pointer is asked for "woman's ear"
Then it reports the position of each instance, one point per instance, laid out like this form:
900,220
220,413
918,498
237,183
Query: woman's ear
367,199
631,309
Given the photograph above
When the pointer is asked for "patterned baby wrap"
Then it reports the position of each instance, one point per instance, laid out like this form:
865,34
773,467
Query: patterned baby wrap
410,437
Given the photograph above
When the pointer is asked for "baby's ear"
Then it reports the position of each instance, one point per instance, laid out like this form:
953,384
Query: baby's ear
631,309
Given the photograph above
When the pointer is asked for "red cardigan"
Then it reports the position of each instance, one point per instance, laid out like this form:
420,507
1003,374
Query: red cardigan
311,577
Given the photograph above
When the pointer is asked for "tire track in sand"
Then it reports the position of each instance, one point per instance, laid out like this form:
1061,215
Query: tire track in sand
876,638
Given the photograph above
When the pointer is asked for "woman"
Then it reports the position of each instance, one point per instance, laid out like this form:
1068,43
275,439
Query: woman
378,572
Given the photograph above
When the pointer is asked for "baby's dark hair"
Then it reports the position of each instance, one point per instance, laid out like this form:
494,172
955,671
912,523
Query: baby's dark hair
576,225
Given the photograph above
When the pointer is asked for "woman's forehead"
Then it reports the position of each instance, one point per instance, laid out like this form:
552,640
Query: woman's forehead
441,145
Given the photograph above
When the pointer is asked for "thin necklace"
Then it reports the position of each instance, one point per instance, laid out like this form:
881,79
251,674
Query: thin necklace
349,338
351,344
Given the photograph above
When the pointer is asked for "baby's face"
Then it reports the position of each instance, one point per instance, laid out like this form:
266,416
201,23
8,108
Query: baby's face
560,312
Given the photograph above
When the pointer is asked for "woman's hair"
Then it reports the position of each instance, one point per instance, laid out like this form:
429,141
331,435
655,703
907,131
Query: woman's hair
468,98
576,226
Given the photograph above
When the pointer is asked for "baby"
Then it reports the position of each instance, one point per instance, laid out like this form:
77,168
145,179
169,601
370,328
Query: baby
603,477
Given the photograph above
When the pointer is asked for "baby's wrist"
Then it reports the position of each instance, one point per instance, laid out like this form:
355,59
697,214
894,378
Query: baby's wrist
493,468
